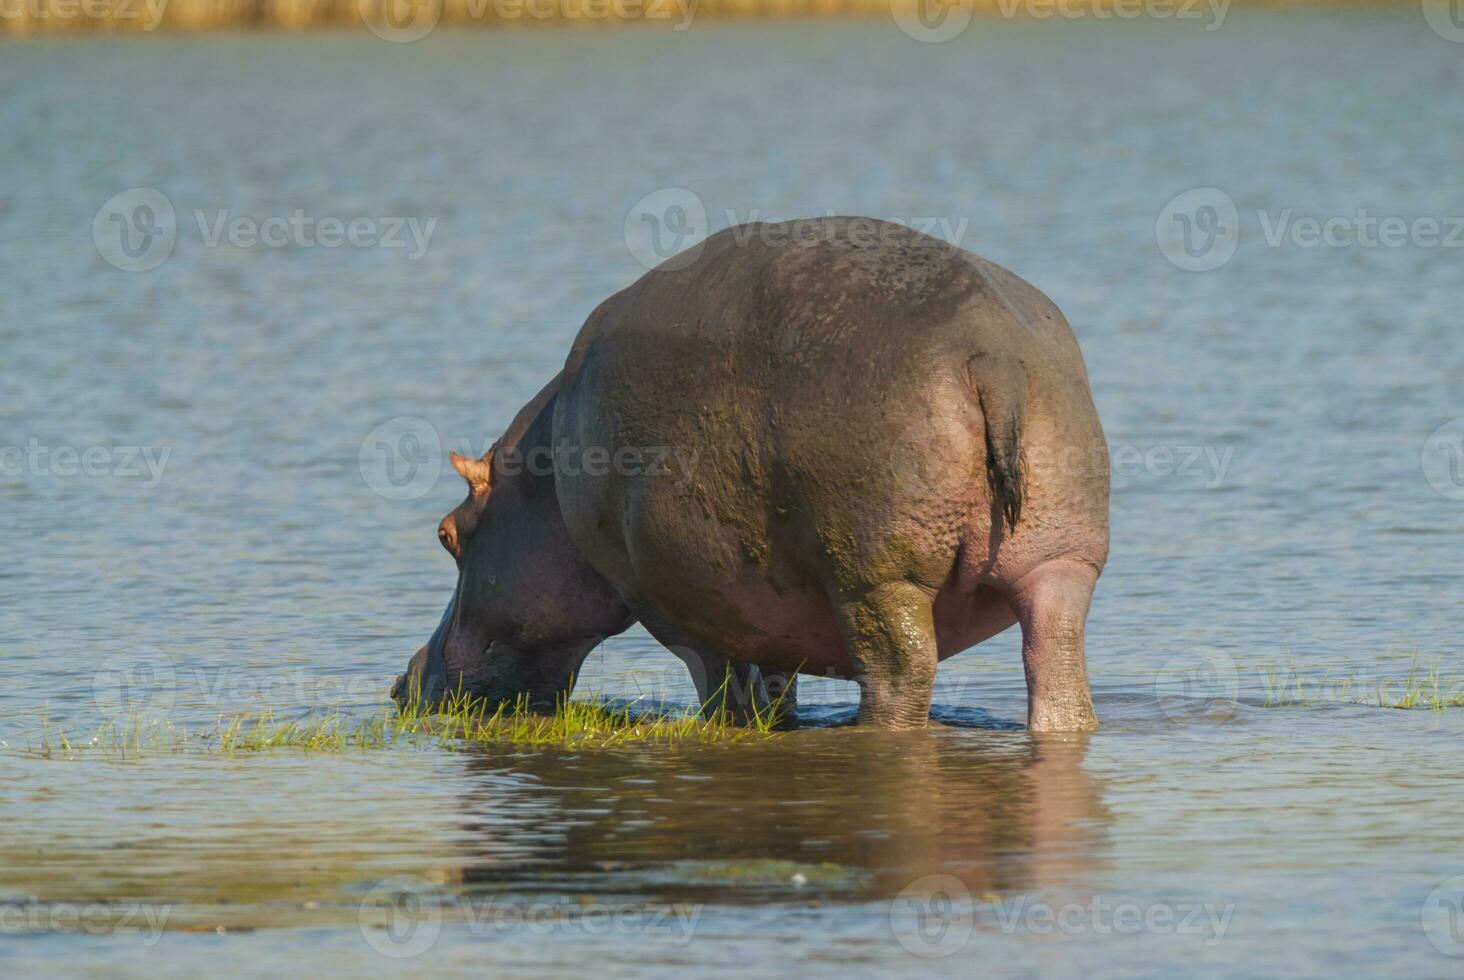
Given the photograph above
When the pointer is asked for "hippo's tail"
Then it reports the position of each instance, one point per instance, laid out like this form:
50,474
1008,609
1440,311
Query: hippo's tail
1001,388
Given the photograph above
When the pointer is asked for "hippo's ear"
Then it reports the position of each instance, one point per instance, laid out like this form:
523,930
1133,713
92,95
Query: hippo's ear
478,472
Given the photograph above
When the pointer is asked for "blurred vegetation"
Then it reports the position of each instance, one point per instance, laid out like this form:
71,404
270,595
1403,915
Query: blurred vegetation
409,19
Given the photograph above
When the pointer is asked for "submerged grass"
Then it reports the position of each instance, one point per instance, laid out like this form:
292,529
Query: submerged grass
460,720
1424,691
1420,689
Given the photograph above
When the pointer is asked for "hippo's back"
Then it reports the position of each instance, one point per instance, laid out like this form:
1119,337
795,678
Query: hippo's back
841,300
802,377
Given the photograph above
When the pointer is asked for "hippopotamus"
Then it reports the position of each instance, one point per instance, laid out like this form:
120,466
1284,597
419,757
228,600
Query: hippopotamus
833,446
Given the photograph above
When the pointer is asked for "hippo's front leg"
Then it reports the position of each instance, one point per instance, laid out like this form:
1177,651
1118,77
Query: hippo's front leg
782,688
1052,605
728,687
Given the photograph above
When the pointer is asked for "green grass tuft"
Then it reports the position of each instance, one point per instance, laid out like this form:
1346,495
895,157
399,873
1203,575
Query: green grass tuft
1420,690
460,720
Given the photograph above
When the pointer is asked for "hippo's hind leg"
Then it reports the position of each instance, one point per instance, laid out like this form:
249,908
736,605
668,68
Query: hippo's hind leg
1052,605
889,630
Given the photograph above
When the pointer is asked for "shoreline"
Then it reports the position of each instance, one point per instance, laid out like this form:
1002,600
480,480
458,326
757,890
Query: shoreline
408,20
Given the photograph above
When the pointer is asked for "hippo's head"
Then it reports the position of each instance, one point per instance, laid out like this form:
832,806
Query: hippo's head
527,608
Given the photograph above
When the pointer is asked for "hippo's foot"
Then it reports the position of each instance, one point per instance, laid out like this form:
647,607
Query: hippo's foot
782,689
1052,605
735,692
889,630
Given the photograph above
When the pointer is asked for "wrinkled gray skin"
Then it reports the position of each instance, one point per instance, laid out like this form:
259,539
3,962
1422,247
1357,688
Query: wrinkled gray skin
879,451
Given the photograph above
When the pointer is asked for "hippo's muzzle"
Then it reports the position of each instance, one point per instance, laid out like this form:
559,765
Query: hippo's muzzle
502,675
422,683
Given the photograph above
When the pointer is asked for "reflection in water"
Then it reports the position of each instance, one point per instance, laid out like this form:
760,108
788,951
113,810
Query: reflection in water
856,812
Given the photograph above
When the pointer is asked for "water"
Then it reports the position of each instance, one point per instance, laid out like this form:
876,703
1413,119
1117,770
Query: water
1205,828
